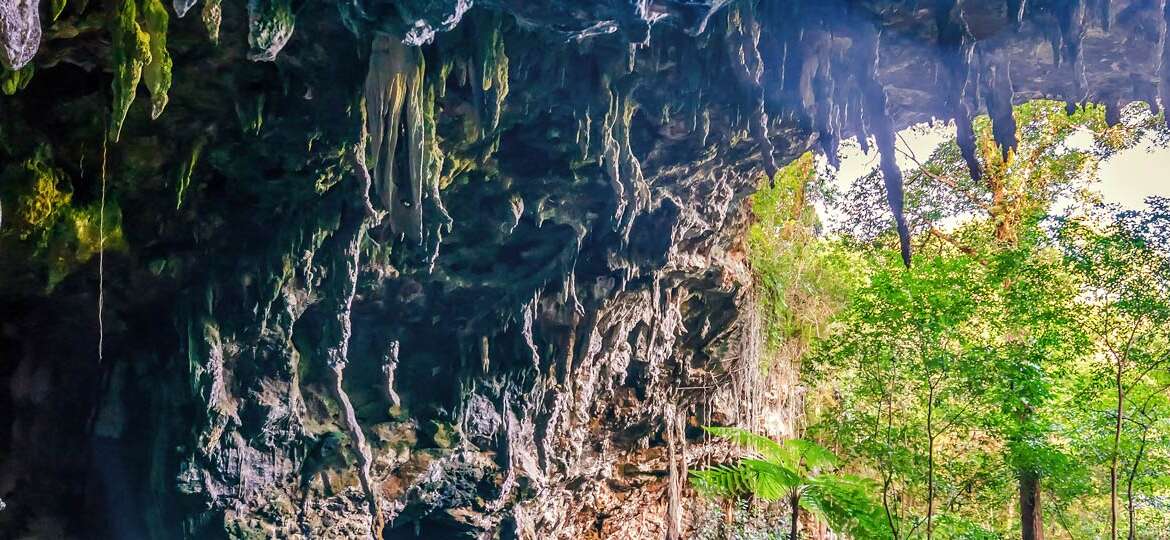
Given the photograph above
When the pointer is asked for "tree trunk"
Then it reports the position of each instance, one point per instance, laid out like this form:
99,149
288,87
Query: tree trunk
795,531
729,519
1116,450
930,464
1129,487
1031,516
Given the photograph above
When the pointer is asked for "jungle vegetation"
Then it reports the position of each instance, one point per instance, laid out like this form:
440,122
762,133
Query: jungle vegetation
1013,382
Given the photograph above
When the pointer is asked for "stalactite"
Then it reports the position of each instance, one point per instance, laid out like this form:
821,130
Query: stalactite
485,358
493,72
366,183
20,32
996,90
955,57
183,6
131,52
12,82
992,69
1071,21
584,133
1016,10
527,328
879,125
212,16
157,73
270,25
742,42
618,160
188,169
1164,63
1112,111
396,82
389,370
1105,14
822,103
435,219
392,65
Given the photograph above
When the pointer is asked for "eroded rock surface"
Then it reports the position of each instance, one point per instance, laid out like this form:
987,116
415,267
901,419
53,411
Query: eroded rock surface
440,269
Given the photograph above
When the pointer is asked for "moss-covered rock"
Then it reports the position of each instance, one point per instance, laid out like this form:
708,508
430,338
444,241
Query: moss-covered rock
34,192
157,73
270,25
13,81
130,47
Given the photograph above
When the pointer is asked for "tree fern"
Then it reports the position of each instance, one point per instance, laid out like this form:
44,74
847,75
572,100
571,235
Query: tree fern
798,470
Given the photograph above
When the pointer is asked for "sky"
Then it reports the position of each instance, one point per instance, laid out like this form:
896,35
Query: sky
1126,178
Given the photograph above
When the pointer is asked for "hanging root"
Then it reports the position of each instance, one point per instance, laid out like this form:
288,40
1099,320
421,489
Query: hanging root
101,303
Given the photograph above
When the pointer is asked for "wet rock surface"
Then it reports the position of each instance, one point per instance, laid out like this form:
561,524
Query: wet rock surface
440,269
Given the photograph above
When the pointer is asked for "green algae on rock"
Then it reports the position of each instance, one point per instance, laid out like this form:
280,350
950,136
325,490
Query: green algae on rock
13,81
157,73
130,47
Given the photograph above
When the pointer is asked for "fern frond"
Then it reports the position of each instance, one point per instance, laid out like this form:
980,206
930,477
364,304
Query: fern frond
772,481
769,449
723,481
844,503
812,454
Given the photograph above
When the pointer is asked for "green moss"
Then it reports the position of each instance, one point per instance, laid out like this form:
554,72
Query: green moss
251,116
12,82
75,238
494,73
185,172
44,225
433,156
157,73
444,434
35,191
131,51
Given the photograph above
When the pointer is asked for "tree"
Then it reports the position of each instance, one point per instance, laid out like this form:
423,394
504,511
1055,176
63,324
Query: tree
1025,333
908,375
1125,279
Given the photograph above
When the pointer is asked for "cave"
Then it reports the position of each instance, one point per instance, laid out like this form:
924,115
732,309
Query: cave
440,268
